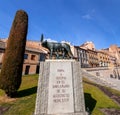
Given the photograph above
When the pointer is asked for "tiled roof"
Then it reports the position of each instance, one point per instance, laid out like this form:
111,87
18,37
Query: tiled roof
34,46
34,50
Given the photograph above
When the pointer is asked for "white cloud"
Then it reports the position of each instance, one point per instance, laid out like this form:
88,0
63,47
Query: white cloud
50,40
87,16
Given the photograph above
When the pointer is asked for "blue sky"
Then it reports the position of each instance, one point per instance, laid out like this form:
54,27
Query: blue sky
75,21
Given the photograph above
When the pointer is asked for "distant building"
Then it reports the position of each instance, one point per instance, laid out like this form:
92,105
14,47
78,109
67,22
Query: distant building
91,54
114,52
109,57
81,56
86,54
2,50
34,54
32,59
103,58
112,60
88,45
92,58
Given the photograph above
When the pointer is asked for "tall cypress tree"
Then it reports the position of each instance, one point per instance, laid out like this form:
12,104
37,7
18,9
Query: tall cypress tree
11,72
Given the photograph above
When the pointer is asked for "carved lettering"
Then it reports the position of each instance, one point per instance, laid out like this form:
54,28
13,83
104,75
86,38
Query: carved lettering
60,95
61,86
60,70
60,78
61,100
60,89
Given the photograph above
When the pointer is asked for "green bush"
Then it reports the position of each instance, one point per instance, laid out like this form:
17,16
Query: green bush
11,72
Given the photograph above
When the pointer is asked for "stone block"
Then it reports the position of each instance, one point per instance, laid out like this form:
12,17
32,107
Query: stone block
60,89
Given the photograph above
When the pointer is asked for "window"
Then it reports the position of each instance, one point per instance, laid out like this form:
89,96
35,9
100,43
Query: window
25,56
32,57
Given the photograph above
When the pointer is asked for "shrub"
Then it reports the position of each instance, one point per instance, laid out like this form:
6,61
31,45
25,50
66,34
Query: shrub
11,72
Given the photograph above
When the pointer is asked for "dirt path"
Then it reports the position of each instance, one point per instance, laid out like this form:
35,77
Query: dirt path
3,109
5,99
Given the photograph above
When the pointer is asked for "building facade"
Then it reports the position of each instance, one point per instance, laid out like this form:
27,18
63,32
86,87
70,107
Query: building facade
82,57
32,57
112,60
103,58
2,50
92,58
86,54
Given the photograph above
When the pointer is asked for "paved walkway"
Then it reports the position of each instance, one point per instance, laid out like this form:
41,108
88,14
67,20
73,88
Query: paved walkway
115,82
102,80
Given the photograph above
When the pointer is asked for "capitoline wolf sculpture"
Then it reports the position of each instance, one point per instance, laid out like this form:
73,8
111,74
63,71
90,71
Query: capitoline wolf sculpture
61,50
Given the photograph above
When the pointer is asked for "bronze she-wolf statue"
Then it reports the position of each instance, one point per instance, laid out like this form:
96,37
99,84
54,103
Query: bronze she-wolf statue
57,48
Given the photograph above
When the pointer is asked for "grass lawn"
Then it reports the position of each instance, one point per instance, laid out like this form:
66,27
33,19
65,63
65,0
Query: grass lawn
24,104
95,99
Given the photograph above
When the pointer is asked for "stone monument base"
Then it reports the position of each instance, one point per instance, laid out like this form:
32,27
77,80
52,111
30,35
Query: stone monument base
60,89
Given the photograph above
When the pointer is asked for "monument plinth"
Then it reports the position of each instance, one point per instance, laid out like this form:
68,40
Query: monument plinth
60,89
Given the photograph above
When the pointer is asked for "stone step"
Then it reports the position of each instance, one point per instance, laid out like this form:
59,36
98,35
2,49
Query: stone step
97,79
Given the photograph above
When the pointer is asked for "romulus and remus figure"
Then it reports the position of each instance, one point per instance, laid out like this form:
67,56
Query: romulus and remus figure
57,48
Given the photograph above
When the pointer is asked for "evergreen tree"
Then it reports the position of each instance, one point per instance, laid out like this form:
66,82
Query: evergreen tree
42,37
11,72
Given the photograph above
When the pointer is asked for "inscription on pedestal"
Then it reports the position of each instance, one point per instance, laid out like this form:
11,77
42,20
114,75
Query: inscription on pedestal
60,89
60,95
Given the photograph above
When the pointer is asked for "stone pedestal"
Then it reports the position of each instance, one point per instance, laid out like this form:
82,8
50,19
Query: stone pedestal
60,89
